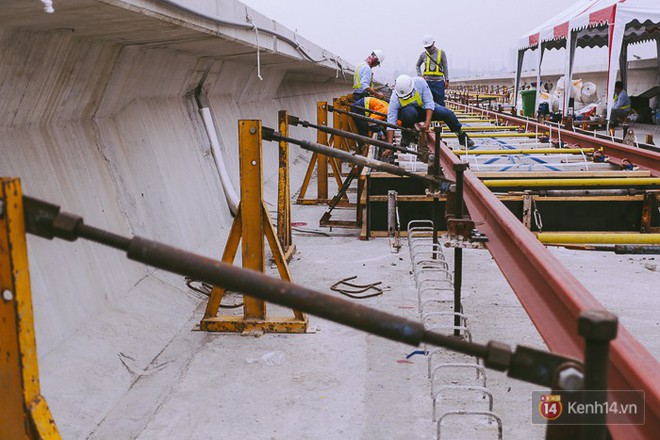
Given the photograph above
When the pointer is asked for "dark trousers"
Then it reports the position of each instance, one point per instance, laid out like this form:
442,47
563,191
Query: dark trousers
438,91
361,124
411,114
358,95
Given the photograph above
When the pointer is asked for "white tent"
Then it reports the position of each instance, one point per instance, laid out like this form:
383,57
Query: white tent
594,23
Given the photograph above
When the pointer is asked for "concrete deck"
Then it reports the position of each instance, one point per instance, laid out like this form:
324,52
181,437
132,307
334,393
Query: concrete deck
100,115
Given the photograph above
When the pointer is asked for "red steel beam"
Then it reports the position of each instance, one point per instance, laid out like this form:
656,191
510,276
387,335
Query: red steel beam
553,298
647,159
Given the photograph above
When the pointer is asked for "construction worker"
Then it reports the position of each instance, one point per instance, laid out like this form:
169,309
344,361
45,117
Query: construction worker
363,79
435,70
369,103
412,102
621,107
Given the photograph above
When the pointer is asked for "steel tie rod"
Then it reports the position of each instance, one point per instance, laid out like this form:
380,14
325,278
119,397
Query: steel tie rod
372,120
294,120
45,220
270,134
374,112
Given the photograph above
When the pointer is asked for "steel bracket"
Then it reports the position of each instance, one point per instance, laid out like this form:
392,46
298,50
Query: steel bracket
461,233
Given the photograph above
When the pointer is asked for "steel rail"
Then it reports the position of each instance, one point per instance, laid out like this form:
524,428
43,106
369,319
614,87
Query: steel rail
553,298
647,159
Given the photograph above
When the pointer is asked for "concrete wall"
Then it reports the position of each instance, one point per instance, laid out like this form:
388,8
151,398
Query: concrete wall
112,131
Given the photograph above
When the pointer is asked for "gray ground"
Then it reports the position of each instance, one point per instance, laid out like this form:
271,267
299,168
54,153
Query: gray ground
336,382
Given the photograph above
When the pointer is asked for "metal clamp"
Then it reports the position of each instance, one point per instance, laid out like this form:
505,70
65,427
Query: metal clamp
461,233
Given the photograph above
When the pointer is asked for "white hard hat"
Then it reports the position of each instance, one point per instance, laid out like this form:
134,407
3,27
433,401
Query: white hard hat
403,86
428,40
379,55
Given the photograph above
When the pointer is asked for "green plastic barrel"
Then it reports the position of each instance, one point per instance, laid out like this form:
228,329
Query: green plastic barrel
528,102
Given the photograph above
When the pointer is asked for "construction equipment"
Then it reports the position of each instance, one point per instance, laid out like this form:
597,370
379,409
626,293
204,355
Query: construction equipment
531,365
437,183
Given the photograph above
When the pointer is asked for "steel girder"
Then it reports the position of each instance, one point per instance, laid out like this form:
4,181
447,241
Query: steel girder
554,298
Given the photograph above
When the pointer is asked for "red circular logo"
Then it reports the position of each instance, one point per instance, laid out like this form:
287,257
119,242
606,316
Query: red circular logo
550,407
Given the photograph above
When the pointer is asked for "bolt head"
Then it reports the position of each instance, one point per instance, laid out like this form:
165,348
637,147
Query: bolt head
253,130
570,379
597,325
7,295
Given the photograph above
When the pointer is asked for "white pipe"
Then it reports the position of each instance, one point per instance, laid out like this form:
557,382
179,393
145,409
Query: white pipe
48,6
230,192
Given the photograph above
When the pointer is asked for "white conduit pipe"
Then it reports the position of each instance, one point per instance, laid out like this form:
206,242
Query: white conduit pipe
230,192
48,6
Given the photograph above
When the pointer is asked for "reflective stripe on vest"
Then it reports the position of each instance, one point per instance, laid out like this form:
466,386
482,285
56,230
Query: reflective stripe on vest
416,98
367,101
623,107
438,68
357,84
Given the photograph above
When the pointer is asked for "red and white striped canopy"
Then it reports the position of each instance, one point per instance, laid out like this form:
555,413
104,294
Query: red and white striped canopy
591,14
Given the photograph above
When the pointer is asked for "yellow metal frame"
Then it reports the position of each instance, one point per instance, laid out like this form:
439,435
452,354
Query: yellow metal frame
320,162
251,224
467,119
487,128
24,413
284,191
533,183
497,134
527,151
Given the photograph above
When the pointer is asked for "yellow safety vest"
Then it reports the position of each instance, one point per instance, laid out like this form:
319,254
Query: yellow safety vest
624,107
357,84
438,68
366,105
416,98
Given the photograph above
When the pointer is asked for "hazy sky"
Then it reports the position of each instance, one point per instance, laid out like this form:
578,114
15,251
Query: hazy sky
478,35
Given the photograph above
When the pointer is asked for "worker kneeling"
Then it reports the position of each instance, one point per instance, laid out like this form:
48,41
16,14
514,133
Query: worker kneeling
412,102
375,104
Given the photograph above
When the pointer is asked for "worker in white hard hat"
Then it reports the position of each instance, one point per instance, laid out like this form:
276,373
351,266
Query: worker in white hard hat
412,102
363,79
436,72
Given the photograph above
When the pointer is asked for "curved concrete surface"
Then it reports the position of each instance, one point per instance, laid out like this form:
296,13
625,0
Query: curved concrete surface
99,115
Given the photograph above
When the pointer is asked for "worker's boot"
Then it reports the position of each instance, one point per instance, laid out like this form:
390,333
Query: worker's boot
465,140
405,139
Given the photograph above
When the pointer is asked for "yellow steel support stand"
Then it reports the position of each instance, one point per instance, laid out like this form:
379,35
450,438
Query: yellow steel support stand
251,224
322,168
319,161
284,191
24,413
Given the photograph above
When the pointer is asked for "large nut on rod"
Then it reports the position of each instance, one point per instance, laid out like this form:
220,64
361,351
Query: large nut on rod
570,378
499,356
65,226
597,325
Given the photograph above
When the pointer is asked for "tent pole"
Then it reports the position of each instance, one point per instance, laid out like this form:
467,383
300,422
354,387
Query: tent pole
516,90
